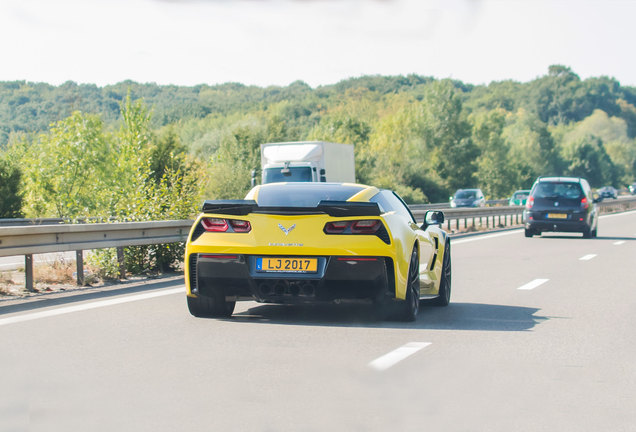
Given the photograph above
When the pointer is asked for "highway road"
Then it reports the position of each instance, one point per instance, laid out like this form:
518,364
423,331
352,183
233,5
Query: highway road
539,337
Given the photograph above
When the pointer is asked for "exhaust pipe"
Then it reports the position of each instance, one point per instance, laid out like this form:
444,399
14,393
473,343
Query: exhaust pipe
307,289
279,288
265,289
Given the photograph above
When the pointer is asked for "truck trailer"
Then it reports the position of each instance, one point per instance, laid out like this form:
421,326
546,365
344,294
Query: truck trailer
307,161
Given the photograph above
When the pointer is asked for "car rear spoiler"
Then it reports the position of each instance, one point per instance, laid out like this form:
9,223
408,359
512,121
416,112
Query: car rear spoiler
332,208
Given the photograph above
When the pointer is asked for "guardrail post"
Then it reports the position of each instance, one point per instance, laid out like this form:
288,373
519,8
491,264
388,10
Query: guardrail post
28,272
79,265
122,263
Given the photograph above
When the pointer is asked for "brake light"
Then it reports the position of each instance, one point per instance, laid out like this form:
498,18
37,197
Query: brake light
214,225
584,203
530,202
336,227
223,225
240,226
365,226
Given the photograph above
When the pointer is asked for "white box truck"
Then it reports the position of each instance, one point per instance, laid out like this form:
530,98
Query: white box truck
307,161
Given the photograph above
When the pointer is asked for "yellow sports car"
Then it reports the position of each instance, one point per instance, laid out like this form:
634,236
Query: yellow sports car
311,242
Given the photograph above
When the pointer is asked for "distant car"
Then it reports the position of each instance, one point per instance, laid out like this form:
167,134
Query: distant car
295,243
562,204
519,197
608,192
632,188
468,198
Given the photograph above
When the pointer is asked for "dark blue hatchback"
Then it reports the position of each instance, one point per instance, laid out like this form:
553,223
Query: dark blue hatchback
561,204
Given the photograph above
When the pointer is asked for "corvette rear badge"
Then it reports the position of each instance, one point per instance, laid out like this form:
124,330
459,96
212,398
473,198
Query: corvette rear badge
286,230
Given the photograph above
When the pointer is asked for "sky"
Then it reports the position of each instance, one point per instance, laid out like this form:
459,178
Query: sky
320,42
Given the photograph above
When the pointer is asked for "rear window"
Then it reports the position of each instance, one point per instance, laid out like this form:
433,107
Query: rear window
558,190
303,194
467,194
294,174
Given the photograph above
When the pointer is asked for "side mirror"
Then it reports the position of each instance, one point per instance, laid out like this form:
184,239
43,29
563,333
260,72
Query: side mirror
433,217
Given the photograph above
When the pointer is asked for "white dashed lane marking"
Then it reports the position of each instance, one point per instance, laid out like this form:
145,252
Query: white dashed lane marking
532,285
587,257
397,355
618,243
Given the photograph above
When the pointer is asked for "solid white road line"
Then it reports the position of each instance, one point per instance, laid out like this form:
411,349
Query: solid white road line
484,237
87,306
618,243
397,355
532,285
587,257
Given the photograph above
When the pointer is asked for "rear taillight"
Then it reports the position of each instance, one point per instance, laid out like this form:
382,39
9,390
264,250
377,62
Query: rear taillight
241,226
214,225
226,225
584,203
365,226
336,227
529,203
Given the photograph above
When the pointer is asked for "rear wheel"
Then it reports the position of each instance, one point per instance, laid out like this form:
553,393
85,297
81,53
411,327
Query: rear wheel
587,233
528,232
215,307
445,282
411,305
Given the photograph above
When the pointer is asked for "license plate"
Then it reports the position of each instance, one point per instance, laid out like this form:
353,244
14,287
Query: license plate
557,216
287,265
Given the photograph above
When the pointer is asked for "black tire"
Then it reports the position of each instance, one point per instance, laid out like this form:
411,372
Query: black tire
214,307
595,232
445,282
410,307
587,233
528,232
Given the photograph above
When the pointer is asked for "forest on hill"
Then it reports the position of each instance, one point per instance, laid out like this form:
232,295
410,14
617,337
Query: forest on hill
132,150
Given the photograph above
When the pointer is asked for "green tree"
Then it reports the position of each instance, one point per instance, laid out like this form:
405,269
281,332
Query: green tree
587,158
612,133
238,155
66,169
10,179
494,168
447,144
167,154
533,150
394,154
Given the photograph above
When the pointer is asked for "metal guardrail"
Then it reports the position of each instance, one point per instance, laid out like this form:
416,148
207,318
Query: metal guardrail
477,216
36,236
446,205
35,239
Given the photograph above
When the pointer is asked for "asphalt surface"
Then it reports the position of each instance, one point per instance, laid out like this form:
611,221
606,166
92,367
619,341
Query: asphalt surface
539,337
